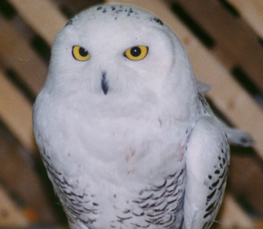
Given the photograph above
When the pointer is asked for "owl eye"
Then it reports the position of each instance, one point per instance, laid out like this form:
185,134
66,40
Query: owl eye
80,53
136,52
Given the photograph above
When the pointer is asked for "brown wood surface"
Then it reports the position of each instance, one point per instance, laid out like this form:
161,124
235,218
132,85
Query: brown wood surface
16,112
17,54
251,11
19,176
235,42
10,214
42,15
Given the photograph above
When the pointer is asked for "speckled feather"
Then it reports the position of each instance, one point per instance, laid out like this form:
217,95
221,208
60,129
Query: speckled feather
129,144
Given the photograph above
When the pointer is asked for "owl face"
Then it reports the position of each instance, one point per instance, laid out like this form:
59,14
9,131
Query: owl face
118,50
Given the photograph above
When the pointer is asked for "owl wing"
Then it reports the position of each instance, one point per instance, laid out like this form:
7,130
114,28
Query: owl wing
207,159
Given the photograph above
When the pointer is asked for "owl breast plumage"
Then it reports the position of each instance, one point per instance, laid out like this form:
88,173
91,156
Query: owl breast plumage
126,138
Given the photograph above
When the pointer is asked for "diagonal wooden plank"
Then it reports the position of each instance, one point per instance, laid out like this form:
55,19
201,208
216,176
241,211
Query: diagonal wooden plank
252,12
16,112
11,215
231,214
232,36
18,173
17,54
42,15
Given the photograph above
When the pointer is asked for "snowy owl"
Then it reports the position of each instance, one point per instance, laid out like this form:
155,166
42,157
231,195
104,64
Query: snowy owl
127,139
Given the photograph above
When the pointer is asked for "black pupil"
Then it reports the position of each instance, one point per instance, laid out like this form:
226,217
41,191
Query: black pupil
136,51
83,52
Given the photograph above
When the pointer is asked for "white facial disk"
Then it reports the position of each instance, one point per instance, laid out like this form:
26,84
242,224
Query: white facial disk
120,50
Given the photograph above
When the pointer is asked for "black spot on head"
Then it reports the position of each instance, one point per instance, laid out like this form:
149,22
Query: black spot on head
70,22
99,8
210,177
157,20
113,8
130,12
104,11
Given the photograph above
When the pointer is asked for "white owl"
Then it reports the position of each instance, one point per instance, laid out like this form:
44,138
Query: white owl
127,139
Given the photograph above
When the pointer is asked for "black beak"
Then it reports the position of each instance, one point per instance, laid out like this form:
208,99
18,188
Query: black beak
104,83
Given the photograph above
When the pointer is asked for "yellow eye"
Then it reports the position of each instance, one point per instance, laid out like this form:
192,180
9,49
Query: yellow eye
136,52
79,53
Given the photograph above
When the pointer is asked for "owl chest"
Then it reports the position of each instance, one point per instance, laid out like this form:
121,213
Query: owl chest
108,138
133,165
125,144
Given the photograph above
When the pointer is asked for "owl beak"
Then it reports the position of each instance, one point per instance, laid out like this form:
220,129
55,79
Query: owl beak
104,83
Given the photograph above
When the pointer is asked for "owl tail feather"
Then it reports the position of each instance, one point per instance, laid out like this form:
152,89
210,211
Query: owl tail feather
238,137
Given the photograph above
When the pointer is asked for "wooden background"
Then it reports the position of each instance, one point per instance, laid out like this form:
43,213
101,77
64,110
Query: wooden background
224,39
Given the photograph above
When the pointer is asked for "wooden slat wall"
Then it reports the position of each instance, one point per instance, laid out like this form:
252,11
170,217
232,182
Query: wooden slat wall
16,112
236,46
16,53
47,23
251,11
18,176
16,218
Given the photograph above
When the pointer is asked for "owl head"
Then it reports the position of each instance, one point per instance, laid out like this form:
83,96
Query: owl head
120,51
